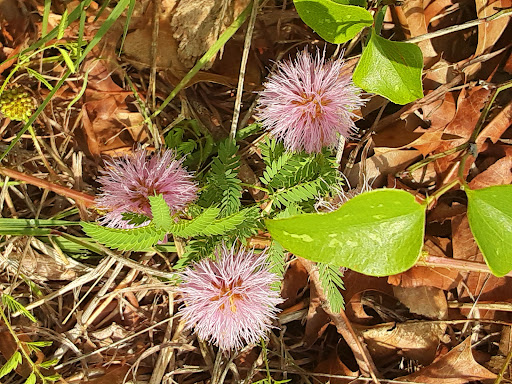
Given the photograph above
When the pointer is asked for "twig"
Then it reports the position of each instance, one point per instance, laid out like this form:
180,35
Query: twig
87,199
460,27
342,324
448,262
243,66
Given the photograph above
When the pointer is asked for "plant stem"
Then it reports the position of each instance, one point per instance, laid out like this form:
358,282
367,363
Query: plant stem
88,200
19,343
455,28
435,196
450,263
436,156
255,187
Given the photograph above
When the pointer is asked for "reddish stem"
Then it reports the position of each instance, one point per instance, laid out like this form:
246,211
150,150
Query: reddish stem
85,198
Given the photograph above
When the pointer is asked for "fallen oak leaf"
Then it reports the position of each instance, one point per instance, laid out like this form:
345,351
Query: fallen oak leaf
456,367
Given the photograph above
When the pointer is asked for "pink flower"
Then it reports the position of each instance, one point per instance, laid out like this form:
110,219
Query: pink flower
306,103
128,181
229,301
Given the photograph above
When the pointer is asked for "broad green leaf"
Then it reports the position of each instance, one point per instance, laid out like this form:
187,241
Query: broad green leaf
490,220
391,69
160,211
334,22
377,233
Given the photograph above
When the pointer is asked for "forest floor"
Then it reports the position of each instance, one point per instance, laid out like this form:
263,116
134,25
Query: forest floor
97,78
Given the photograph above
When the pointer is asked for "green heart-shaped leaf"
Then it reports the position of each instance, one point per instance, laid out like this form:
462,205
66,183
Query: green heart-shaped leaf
490,220
391,69
377,233
334,22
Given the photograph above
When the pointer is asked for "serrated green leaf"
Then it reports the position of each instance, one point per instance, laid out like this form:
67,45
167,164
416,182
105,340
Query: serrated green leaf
377,233
31,379
391,69
11,364
490,220
161,214
137,239
337,23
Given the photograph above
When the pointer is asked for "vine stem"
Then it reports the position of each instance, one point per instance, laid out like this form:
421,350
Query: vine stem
435,196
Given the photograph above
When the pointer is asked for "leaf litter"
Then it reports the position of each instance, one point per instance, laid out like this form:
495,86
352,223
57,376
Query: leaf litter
111,319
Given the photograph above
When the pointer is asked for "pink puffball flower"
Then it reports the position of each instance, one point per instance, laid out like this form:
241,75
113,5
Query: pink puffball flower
308,102
129,180
230,301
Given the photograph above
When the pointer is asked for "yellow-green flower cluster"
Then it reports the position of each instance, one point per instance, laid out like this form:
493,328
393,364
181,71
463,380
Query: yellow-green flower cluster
16,104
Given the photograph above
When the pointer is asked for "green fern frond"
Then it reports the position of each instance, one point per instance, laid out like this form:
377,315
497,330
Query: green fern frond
136,239
276,259
299,193
135,218
223,186
331,280
11,364
226,224
13,306
161,214
271,150
196,226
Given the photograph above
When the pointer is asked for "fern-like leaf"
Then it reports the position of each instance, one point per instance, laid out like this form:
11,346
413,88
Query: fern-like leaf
196,226
13,306
161,214
136,239
299,193
11,364
223,186
331,280
275,257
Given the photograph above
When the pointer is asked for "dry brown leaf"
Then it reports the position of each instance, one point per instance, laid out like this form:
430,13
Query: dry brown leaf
333,366
137,48
381,164
442,278
197,24
295,279
8,347
317,319
497,126
485,286
469,105
355,285
498,173
456,367
488,33
412,18
416,340
425,301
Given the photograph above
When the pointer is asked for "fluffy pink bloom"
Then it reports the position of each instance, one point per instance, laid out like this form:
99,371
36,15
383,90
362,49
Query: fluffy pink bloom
307,102
229,301
128,181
